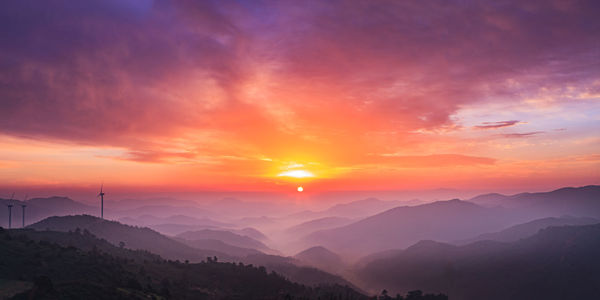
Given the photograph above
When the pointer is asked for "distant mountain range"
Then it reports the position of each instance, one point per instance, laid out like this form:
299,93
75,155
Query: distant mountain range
453,220
402,226
40,208
581,201
521,231
556,263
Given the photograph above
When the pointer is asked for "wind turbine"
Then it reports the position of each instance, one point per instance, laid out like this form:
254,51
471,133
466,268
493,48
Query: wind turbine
23,207
9,205
101,195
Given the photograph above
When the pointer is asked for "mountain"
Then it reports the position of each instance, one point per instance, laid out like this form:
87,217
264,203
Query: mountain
146,220
226,237
521,231
556,263
164,211
351,210
361,208
41,208
132,237
175,229
219,246
322,258
252,233
49,270
401,226
296,271
315,225
581,201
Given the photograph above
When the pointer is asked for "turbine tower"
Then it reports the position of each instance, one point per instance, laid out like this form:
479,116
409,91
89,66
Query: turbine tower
9,205
23,207
101,195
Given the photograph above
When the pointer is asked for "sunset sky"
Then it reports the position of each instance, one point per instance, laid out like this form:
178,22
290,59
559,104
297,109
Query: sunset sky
270,95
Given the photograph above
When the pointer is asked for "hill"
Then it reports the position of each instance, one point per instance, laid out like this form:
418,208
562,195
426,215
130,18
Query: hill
311,226
226,237
132,237
51,271
219,246
322,258
555,263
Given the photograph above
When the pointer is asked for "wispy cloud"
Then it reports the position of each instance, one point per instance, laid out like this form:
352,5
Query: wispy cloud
522,134
496,125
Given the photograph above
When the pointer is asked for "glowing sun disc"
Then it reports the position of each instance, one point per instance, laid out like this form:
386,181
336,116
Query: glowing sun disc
297,174
300,189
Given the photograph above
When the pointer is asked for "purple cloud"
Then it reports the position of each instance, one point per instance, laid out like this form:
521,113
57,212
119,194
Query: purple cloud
495,125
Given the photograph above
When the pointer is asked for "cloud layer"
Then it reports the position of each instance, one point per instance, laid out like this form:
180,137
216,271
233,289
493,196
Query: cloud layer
202,82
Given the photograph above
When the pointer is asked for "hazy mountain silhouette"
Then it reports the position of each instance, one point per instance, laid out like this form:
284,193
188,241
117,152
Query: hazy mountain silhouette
305,228
132,237
219,246
296,271
164,211
401,226
47,270
355,209
41,208
175,229
251,232
581,201
146,220
320,257
555,263
361,208
517,232
226,237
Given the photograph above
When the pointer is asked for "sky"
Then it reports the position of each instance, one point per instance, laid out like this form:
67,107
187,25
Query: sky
271,95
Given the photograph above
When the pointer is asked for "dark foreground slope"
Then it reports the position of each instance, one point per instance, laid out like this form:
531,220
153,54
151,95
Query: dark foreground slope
132,237
149,240
51,271
556,263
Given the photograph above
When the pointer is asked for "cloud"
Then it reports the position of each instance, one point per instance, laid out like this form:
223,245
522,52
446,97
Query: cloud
496,125
278,78
522,135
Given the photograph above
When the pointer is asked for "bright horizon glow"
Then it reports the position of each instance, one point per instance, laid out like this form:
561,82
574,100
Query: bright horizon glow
296,174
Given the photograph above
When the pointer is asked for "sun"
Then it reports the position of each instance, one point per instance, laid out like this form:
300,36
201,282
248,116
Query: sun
300,189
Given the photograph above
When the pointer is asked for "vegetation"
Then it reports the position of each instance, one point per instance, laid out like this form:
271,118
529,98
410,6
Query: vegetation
98,270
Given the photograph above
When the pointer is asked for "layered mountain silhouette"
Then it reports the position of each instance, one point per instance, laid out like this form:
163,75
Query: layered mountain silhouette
226,237
579,201
311,226
322,258
50,270
521,231
402,226
41,208
131,237
555,263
